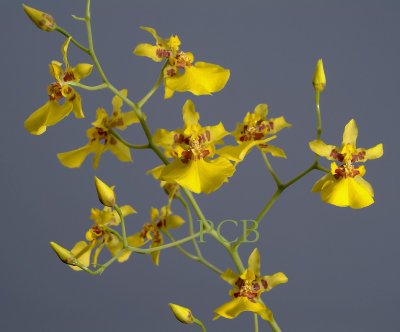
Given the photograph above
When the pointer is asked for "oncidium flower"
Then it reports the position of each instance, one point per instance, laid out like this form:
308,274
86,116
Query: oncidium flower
162,220
253,132
247,289
100,138
192,149
344,185
100,235
200,78
52,112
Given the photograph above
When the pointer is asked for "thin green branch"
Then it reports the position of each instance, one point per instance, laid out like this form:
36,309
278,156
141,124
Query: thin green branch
277,181
111,230
200,324
66,34
87,87
189,214
121,216
183,251
255,322
319,130
274,326
153,89
129,145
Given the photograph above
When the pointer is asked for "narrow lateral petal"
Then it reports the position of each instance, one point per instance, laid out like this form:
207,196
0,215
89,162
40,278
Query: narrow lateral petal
174,221
230,277
322,149
269,282
75,158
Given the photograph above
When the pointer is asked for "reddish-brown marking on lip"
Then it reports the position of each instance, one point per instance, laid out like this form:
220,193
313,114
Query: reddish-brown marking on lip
264,283
69,76
359,156
162,53
336,155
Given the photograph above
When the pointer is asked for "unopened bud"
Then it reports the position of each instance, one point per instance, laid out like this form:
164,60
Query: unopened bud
105,193
62,253
184,315
42,20
319,79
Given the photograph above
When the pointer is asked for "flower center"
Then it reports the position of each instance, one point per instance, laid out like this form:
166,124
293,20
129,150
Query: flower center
54,91
255,130
247,288
347,170
196,150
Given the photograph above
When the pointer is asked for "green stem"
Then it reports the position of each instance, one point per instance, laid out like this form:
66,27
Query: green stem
274,326
183,251
200,324
153,89
109,229
255,322
129,145
189,214
87,87
66,34
90,39
124,240
277,181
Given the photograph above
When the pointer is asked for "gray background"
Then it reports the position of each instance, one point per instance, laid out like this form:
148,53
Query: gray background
342,264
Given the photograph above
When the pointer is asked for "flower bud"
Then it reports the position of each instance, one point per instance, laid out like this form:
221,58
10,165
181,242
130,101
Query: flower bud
42,20
105,193
319,79
62,253
184,315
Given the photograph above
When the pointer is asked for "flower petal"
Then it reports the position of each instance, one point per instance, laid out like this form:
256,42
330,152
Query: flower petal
277,125
81,251
372,153
190,116
350,133
320,183
200,79
322,149
82,70
199,176
273,150
254,262
173,221
261,110
269,282
149,51
75,158
346,192
47,115
122,152
230,277
233,308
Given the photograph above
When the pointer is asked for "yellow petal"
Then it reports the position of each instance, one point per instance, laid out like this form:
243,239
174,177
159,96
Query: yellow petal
153,32
365,184
168,92
372,153
237,153
190,116
230,277
97,253
136,240
350,133
277,125
149,51
275,151
173,221
320,183
64,49
101,119
75,158
322,149
199,176
346,192
82,70
154,214
233,308
81,251
200,79
122,152
214,134
261,110
254,262
47,115
269,282
155,255
77,105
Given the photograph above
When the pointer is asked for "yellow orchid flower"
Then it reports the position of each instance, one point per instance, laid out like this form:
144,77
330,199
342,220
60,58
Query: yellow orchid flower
192,149
99,236
344,185
162,220
253,131
200,78
100,139
52,112
247,289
